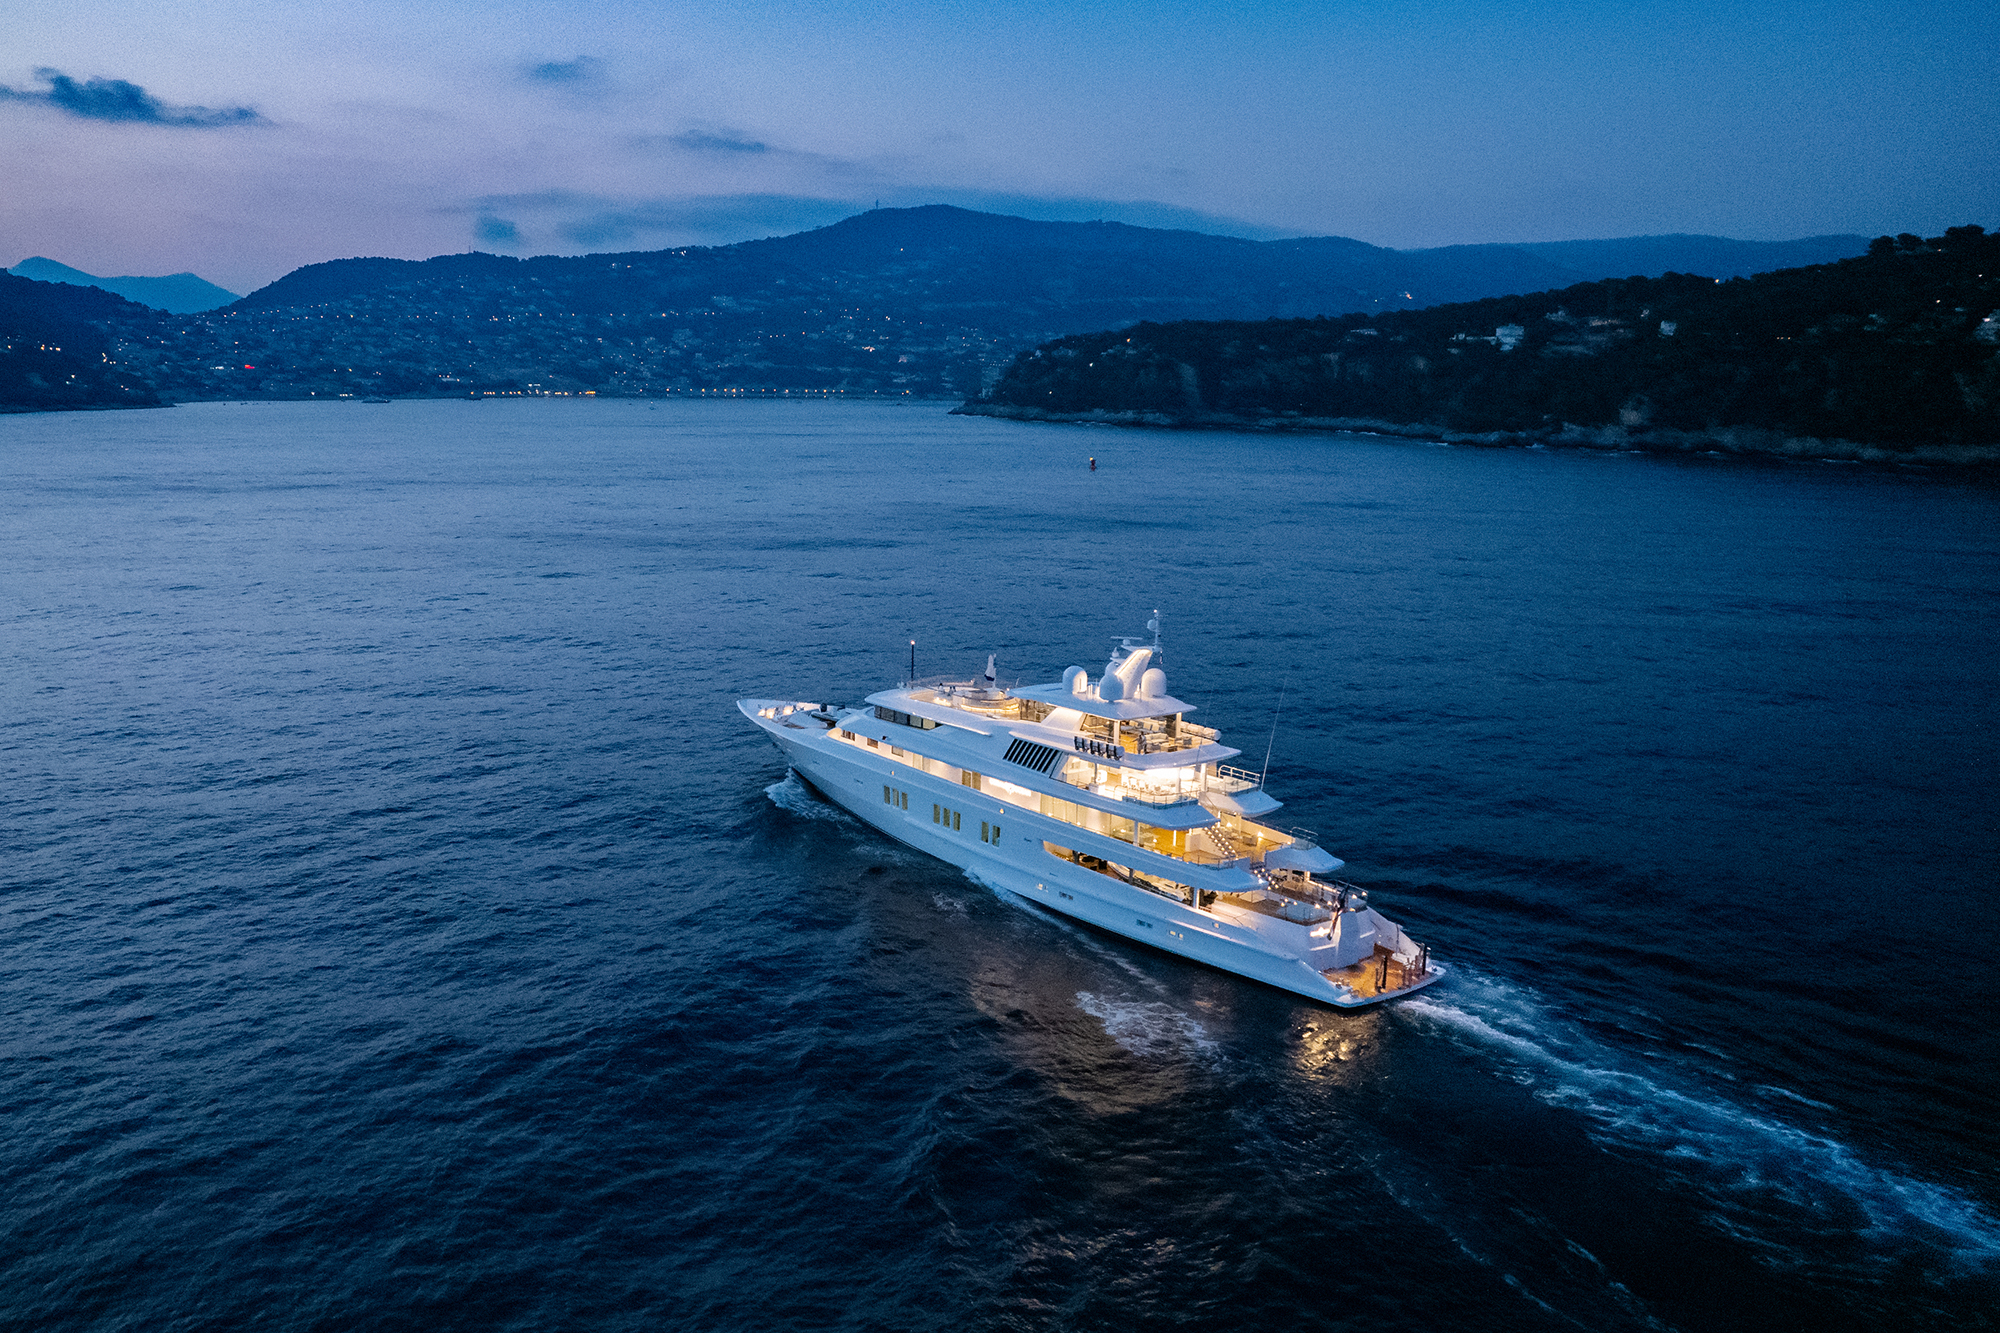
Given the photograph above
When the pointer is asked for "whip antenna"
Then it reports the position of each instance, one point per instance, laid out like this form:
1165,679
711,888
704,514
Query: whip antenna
1274,730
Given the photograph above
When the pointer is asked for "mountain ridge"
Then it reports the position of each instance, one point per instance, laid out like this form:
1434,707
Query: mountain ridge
1452,270
175,293
924,302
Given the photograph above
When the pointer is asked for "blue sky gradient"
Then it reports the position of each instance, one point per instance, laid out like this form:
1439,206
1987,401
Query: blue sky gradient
251,138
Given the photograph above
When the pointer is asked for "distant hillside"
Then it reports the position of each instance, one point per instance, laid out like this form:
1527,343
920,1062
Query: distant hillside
341,279
922,301
1895,353
54,350
177,293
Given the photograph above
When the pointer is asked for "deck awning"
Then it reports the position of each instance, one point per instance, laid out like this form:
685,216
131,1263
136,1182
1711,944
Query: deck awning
1304,857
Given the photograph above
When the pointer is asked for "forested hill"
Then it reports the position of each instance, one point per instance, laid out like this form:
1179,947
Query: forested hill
1896,352
54,349
927,301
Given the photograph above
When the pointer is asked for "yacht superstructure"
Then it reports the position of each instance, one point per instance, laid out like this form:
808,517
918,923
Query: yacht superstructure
1100,800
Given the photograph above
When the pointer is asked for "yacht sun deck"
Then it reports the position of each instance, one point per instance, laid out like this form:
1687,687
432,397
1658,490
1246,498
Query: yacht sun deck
1099,799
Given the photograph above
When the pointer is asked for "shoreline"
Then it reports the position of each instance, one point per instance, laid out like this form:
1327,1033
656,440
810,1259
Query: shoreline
1732,441
713,396
23,409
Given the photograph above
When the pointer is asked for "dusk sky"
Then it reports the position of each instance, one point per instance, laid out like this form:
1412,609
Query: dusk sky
240,140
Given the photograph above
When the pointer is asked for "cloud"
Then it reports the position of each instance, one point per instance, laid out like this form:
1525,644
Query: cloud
570,221
496,231
583,69
722,145
118,100
1055,208
708,141
705,220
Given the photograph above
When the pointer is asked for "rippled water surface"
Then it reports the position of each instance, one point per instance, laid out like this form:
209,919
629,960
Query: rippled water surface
403,930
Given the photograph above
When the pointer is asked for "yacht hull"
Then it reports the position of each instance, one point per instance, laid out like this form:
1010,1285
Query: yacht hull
1018,863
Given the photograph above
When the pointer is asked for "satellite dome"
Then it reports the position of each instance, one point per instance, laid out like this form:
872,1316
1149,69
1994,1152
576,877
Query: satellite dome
1110,688
1153,685
1076,680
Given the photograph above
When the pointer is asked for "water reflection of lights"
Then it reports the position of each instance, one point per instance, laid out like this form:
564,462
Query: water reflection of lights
1105,1052
1111,1044
1341,1048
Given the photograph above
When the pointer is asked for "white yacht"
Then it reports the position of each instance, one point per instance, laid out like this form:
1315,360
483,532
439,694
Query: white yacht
1100,800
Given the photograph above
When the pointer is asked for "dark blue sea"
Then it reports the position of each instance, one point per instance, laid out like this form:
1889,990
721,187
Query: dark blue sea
401,929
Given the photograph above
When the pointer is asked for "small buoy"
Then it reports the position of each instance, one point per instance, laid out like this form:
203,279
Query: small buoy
1093,465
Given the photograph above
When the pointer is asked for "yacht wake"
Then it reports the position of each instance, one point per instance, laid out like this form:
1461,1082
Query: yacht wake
1148,1028
1750,1166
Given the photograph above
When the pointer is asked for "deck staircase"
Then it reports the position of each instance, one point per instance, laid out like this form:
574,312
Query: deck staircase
1225,842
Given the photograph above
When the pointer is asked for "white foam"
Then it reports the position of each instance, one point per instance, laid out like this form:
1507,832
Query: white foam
794,797
1786,1094
1147,1027
1738,1155
1113,954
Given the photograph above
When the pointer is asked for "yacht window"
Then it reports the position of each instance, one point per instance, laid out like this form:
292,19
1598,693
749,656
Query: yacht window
905,719
968,778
